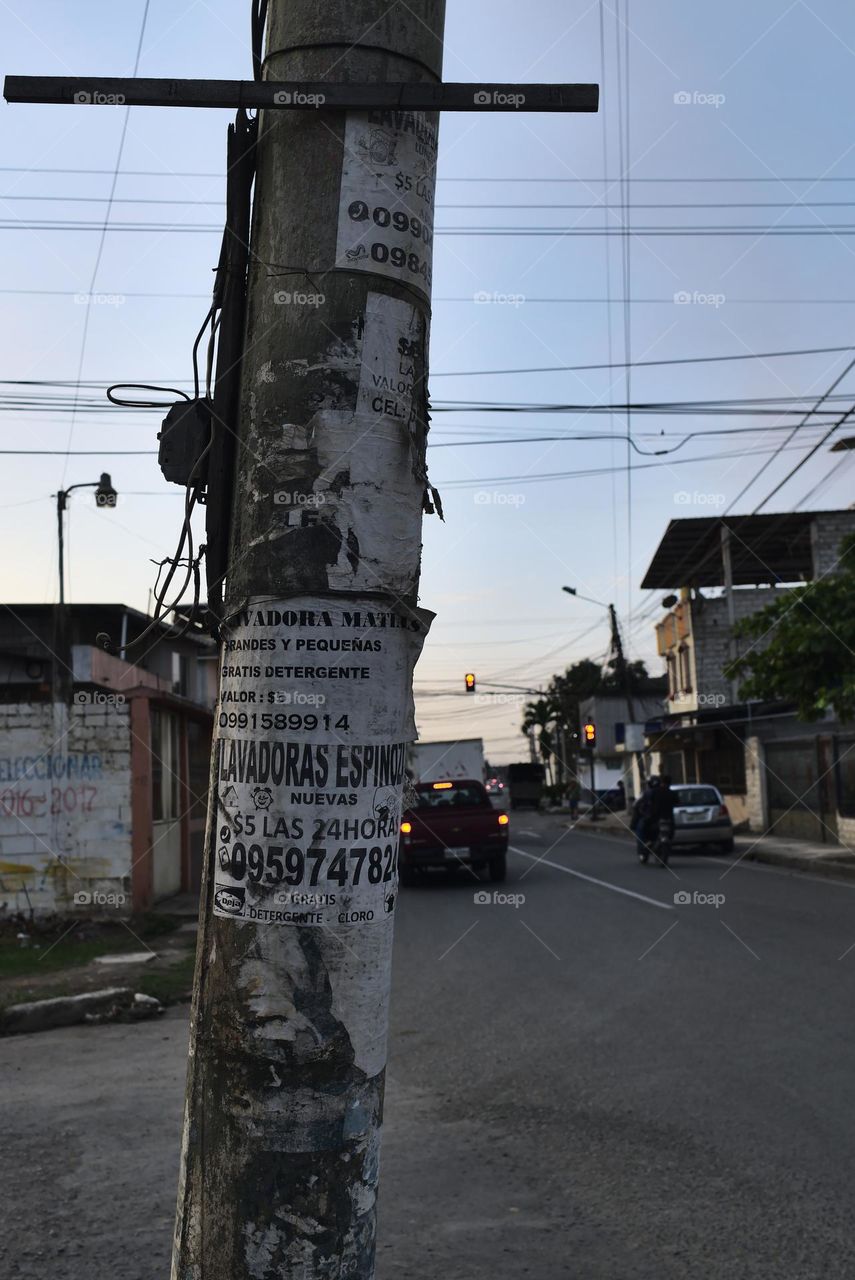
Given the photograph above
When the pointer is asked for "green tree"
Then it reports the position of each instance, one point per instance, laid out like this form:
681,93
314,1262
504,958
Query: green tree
808,645
558,709
539,716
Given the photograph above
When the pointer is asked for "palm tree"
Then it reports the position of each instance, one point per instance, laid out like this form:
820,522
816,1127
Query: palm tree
540,715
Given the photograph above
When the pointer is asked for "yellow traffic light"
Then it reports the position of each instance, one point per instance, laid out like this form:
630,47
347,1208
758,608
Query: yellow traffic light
470,682
589,733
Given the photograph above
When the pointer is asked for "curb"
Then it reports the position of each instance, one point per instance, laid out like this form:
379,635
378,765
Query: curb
107,1005
816,866
841,869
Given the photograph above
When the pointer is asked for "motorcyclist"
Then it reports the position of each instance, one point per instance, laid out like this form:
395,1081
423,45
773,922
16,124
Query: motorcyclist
642,815
661,810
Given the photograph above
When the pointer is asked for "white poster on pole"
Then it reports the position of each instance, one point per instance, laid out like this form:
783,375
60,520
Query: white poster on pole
385,220
312,726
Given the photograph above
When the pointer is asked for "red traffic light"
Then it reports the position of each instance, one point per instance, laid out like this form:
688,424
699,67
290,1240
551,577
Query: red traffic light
470,682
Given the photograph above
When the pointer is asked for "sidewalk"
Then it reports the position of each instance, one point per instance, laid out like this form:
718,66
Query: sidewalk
799,855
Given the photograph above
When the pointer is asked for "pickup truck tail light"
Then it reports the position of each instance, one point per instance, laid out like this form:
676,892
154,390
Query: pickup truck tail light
503,819
406,828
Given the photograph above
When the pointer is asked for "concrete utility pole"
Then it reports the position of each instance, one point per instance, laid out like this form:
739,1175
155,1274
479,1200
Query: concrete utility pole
623,673
286,1077
288,1039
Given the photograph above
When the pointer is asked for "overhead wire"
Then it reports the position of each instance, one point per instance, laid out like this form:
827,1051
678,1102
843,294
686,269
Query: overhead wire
607,255
559,368
569,232
640,364
827,396
105,223
468,178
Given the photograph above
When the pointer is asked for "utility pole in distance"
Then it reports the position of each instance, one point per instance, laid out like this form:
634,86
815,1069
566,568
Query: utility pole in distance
287,1066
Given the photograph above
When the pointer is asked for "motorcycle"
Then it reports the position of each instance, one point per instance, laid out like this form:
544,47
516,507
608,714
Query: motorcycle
663,841
659,846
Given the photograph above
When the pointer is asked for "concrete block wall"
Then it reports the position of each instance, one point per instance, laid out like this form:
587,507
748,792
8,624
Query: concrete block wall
65,806
827,532
711,633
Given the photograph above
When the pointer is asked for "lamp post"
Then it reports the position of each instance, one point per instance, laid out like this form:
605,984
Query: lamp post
105,496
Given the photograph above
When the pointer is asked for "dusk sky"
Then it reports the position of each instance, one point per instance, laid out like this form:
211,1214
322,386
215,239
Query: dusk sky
720,118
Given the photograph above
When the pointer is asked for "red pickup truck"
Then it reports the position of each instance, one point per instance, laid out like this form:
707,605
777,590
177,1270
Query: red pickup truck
451,823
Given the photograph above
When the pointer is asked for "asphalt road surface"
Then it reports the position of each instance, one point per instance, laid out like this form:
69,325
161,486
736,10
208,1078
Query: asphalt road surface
587,1079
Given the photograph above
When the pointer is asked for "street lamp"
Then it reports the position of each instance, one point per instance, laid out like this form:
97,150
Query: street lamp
620,661
105,496
571,591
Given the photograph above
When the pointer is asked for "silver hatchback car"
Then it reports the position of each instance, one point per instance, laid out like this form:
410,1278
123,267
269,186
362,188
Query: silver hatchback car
701,816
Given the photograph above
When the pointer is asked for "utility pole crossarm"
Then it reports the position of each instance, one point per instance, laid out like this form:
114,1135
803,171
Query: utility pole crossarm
293,95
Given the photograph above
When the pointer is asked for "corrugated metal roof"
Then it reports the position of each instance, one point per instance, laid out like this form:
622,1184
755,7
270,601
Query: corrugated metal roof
764,548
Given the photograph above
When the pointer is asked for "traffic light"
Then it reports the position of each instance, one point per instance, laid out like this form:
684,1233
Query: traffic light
470,682
589,734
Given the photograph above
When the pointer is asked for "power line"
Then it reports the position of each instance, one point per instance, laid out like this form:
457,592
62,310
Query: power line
598,471
475,299
834,426
838,466
610,181
827,396
79,453
590,437
53,199
735,406
105,223
641,364
606,437
568,232
556,368
778,407
589,206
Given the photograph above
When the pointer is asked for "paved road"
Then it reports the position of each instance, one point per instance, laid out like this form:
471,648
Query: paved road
597,1082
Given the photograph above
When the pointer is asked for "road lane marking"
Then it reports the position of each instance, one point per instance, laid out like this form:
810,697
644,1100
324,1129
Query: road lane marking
604,884
535,835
